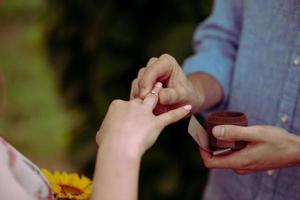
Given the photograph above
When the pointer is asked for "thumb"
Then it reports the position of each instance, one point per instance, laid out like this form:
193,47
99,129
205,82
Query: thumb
173,115
236,133
169,96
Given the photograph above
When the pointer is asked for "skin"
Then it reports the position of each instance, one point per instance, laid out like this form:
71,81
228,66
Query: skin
202,91
268,147
199,89
122,144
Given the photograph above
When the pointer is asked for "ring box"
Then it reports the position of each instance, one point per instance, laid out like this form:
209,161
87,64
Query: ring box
225,118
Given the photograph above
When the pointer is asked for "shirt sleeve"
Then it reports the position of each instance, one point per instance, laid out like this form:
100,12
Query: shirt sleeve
215,43
9,187
19,177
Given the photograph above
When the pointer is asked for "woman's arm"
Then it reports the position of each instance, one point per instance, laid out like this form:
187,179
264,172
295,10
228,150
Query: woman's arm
10,189
128,130
116,175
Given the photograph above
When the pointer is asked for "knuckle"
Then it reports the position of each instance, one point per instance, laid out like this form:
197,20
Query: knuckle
166,96
134,89
133,83
166,56
151,60
182,92
175,95
98,138
141,72
116,102
141,84
258,129
134,102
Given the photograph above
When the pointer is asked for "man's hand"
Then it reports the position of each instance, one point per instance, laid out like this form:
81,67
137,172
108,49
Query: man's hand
178,90
269,147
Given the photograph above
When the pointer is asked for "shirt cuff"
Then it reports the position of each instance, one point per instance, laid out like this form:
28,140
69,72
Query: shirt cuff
214,64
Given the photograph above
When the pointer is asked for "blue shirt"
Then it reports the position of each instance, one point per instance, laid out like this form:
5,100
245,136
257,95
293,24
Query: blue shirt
252,47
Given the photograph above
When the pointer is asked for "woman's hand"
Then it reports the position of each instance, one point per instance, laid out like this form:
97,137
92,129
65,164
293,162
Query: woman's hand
268,147
128,130
131,127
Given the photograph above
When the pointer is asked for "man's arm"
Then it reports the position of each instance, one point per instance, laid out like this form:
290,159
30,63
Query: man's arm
209,70
215,45
208,86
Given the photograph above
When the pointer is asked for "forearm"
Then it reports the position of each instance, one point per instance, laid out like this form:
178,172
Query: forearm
294,149
207,87
116,174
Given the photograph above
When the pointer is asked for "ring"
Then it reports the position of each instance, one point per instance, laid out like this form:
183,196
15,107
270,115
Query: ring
155,93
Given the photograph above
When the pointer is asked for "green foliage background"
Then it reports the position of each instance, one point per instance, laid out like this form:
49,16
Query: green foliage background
97,48
33,119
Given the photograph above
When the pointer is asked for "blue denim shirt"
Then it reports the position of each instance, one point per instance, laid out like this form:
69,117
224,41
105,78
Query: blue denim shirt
252,47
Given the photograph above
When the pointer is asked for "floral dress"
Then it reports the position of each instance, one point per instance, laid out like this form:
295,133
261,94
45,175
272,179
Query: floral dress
20,178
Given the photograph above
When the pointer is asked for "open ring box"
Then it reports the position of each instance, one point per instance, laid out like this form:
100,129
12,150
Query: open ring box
205,138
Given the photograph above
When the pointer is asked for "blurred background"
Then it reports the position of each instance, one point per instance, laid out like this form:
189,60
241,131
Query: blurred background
64,61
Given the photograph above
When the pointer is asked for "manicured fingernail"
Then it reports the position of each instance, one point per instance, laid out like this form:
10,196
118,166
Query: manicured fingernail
219,131
187,107
158,84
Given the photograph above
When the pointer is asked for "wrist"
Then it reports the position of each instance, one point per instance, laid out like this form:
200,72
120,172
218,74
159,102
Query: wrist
120,150
208,88
295,146
197,97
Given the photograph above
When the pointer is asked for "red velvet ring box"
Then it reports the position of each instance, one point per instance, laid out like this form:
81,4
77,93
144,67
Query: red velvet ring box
225,118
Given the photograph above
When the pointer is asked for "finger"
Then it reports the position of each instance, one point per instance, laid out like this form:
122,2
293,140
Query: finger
141,73
138,100
139,77
142,70
238,133
169,96
159,70
151,61
230,161
134,89
159,109
206,156
173,115
151,99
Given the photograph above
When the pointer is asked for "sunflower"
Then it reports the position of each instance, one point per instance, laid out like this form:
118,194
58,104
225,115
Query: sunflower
69,186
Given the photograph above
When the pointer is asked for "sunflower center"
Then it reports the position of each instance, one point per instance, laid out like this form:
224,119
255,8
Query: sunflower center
68,189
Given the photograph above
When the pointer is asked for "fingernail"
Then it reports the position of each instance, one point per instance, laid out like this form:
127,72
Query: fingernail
219,131
187,107
158,84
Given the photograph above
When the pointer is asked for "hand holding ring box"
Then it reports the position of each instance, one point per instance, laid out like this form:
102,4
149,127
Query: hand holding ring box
205,138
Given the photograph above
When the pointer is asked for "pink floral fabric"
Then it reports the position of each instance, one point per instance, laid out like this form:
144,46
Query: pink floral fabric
20,178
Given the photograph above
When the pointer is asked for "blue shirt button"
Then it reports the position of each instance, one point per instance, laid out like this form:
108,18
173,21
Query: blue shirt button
284,118
271,172
297,61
